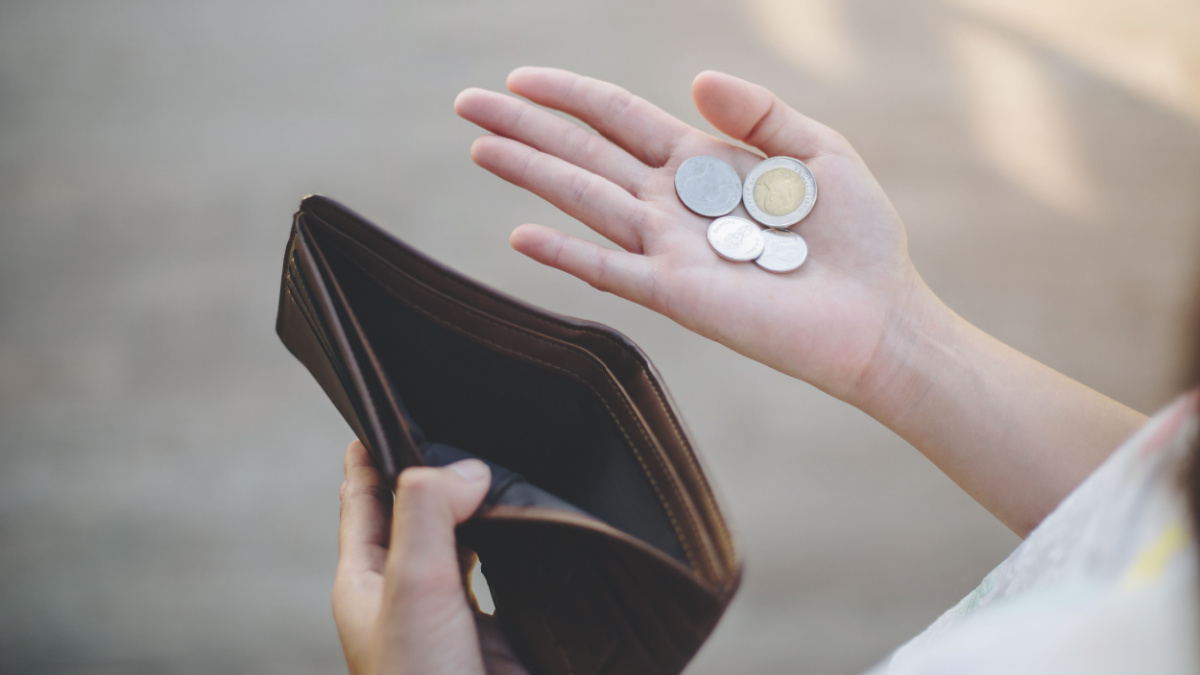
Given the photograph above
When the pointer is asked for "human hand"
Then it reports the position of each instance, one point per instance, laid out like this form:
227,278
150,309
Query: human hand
856,320
838,322
399,600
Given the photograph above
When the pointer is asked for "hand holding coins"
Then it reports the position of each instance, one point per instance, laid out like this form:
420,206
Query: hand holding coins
779,192
637,177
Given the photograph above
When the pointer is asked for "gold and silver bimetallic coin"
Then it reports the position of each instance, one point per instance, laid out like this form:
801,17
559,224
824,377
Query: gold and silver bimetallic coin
779,192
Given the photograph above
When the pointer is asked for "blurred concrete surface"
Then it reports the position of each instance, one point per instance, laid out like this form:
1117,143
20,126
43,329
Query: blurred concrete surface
169,475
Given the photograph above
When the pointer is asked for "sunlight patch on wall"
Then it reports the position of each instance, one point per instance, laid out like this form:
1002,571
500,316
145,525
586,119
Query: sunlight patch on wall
1021,124
1148,47
809,34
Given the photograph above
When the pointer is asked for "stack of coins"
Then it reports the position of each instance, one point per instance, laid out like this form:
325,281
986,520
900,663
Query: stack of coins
778,193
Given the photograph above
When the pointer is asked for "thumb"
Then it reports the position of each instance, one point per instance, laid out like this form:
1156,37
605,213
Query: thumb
429,503
424,623
750,113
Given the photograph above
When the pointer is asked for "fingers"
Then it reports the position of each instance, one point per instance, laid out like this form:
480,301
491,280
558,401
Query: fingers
602,205
422,623
511,118
752,114
430,502
643,129
628,275
366,501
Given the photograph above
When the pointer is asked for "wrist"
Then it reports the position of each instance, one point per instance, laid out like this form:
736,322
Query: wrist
921,337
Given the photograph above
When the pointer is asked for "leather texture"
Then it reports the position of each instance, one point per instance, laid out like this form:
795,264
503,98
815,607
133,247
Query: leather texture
600,538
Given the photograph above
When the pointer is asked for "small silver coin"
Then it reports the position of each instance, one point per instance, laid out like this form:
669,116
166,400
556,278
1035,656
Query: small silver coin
708,186
736,238
783,251
779,192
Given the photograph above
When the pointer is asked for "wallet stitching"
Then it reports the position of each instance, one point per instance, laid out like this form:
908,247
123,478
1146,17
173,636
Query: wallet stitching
688,552
660,396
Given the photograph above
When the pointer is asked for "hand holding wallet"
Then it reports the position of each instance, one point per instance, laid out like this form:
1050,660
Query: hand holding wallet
600,538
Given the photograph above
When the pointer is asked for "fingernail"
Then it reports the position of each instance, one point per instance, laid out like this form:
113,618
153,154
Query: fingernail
470,469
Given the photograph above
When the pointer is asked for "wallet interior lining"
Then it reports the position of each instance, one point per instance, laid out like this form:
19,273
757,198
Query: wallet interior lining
548,427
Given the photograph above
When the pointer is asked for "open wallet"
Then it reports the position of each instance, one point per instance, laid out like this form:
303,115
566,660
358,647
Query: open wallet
599,537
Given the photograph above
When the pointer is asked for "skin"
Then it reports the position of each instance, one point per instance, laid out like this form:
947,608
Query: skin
856,321
399,597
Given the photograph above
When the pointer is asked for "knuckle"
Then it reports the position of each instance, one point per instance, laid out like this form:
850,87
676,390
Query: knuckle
587,145
765,127
417,480
377,492
579,189
526,166
601,277
519,115
421,577
837,140
361,478
640,224
622,101
365,483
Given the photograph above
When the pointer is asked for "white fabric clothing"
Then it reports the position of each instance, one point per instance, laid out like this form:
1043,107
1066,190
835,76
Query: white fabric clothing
1107,583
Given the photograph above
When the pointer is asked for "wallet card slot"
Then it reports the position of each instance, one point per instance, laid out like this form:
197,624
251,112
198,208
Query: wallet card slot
308,339
303,338
382,438
299,294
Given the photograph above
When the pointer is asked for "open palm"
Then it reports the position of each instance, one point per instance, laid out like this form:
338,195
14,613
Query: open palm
824,323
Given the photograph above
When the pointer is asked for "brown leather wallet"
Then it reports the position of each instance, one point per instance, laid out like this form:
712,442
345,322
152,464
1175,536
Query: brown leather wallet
600,539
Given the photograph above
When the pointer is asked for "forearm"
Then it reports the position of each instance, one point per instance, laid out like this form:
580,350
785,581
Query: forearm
1015,434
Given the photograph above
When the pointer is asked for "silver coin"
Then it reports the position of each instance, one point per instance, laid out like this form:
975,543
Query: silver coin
779,192
708,186
736,238
783,251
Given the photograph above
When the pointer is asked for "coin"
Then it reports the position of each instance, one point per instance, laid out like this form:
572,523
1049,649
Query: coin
779,192
736,238
708,186
783,251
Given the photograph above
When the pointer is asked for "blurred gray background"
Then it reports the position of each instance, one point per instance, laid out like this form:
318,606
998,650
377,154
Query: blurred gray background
169,475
